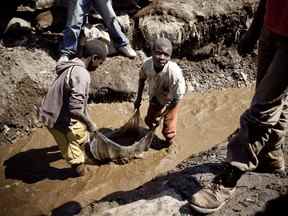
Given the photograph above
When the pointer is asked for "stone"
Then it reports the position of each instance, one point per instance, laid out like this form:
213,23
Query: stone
163,204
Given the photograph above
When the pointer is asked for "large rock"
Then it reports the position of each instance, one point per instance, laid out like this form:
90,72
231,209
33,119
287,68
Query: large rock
163,204
116,79
194,23
25,76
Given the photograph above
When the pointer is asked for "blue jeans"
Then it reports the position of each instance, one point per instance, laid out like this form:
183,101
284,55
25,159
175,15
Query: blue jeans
77,14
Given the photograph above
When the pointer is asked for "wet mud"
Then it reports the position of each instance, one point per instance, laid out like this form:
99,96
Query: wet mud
35,180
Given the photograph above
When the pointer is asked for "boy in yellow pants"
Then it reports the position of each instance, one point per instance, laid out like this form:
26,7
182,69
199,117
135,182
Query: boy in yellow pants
64,109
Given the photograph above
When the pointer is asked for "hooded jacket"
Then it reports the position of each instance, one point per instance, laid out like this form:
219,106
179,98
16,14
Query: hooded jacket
68,92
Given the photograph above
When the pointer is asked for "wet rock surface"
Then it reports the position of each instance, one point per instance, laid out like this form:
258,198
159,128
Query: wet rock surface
256,194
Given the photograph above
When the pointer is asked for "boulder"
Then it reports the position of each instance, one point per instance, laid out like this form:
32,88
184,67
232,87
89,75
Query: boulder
26,74
190,24
116,79
166,203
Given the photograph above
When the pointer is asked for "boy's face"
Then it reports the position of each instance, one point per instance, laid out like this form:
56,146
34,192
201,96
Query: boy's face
161,55
94,62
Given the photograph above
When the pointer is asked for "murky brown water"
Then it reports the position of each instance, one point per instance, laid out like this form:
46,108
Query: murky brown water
34,179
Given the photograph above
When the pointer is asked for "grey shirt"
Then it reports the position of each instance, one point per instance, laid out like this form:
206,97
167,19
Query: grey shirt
68,92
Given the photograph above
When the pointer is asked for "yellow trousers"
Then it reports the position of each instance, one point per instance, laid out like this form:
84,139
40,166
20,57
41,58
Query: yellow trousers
71,142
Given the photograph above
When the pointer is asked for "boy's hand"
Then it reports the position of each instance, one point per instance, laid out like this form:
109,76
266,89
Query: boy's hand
137,104
91,128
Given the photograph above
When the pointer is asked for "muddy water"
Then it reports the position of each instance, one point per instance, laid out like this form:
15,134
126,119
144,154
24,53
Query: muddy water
35,180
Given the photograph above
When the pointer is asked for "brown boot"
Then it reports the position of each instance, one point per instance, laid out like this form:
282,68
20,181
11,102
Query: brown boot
214,195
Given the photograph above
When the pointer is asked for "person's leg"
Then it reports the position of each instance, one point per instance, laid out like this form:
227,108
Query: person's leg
105,9
70,142
153,113
77,136
75,19
121,42
266,51
256,125
261,124
271,157
170,124
61,140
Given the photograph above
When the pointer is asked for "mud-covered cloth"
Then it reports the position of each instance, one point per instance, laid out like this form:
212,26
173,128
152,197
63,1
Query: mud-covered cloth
71,142
167,85
264,123
105,147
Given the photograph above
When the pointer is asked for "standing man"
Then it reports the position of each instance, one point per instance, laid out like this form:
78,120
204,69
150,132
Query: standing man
77,12
263,125
166,88
64,109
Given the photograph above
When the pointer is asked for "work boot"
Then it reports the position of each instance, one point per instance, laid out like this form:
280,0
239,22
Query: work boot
127,51
80,169
272,162
213,196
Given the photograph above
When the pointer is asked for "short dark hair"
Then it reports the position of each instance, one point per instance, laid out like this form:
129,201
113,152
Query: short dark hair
95,47
162,42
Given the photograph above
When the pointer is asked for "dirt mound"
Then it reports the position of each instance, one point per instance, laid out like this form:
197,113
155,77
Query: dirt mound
25,74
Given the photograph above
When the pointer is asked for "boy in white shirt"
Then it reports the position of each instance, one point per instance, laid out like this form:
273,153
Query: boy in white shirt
166,88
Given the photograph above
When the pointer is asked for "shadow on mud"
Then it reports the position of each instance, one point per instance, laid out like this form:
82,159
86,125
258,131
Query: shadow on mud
182,183
34,165
277,205
68,209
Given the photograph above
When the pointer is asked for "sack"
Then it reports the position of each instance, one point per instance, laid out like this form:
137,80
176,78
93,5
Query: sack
126,142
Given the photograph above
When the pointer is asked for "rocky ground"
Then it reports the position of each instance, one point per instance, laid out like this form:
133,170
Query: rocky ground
257,193
204,34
